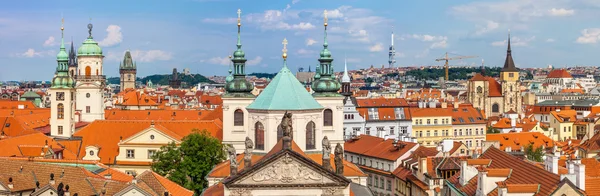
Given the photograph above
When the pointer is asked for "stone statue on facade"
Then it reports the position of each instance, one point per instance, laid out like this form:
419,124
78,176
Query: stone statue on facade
326,154
248,153
338,159
287,129
233,165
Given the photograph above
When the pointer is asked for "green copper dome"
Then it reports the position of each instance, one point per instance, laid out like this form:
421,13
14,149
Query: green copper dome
237,85
229,77
325,84
62,79
89,48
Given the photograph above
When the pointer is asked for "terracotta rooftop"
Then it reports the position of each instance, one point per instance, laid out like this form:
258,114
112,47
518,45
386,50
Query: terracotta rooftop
559,73
381,102
522,139
116,114
372,146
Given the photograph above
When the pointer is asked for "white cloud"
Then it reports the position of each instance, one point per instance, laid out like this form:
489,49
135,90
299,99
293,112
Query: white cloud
491,25
150,55
254,61
31,53
50,41
550,40
359,35
113,37
440,44
376,48
589,36
295,1
303,52
561,12
514,41
218,60
310,41
303,26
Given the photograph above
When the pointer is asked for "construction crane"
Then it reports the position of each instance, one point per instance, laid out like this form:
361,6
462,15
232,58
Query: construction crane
445,58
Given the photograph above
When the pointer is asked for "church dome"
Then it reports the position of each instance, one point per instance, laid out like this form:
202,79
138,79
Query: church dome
89,48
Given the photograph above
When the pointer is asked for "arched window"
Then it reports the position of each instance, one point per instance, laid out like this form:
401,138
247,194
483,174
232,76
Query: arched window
479,89
238,118
88,71
61,111
97,72
259,136
310,136
327,117
72,73
495,108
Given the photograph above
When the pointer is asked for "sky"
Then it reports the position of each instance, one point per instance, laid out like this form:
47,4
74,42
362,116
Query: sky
201,34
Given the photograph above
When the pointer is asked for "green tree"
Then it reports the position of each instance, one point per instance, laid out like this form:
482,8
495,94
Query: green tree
492,130
534,154
189,164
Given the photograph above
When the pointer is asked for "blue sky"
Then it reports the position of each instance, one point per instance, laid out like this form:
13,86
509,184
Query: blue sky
200,34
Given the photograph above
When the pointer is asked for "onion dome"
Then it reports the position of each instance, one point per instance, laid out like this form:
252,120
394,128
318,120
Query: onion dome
325,84
62,79
237,85
89,46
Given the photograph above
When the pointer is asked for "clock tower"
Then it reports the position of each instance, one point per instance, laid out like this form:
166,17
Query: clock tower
62,93
128,71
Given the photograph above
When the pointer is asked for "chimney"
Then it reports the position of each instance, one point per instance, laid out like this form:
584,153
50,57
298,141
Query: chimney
551,163
456,105
580,175
484,188
444,105
423,165
10,183
134,180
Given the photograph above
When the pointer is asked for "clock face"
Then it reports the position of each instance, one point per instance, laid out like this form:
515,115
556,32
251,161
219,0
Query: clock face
60,96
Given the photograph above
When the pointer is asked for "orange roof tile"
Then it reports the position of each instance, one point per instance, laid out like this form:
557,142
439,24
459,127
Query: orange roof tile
522,139
485,162
13,146
565,115
215,190
107,133
468,114
495,172
116,114
9,104
430,112
135,98
381,102
559,73
523,188
172,187
372,146
579,91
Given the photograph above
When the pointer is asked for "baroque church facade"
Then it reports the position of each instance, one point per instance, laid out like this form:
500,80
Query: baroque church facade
315,116
497,97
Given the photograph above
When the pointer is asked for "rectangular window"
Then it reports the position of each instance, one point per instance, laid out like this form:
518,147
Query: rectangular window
376,181
435,121
368,131
511,75
373,113
471,119
389,185
151,153
403,129
60,130
87,109
379,129
370,179
382,182
461,120
130,153
428,133
435,133
391,130
428,121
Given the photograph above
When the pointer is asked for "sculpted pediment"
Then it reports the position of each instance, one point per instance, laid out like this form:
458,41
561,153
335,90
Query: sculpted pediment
288,170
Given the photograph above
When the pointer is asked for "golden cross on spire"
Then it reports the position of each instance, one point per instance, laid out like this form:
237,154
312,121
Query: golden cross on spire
325,17
239,13
285,42
62,24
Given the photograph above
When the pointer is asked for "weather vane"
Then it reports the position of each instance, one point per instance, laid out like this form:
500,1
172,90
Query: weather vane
325,17
285,42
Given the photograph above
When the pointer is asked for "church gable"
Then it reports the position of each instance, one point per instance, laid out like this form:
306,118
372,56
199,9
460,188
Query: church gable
152,134
286,169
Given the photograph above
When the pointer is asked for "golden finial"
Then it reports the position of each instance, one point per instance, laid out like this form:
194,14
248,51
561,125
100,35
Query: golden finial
239,12
325,17
285,42
62,24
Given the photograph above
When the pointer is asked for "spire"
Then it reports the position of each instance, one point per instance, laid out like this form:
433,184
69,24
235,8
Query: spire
345,77
392,52
325,84
392,36
62,79
238,86
482,68
72,56
127,61
509,64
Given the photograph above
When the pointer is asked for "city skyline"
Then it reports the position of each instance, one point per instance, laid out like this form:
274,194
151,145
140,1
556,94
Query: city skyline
201,34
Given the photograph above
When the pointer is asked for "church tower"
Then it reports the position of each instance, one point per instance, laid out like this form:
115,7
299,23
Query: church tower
392,55
509,78
238,95
128,70
326,92
72,61
63,92
90,80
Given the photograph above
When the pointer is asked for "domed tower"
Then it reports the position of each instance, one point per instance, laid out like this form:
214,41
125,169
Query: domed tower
128,70
62,92
237,96
90,80
326,92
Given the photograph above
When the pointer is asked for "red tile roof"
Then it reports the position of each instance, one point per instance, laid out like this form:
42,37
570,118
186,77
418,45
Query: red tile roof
116,114
107,133
522,139
559,73
381,102
372,146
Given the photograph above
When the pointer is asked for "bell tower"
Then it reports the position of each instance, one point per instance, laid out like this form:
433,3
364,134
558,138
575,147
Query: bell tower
509,78
128,70
90,80
62,92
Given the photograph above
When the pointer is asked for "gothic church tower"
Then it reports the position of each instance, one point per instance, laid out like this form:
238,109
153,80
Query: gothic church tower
509,78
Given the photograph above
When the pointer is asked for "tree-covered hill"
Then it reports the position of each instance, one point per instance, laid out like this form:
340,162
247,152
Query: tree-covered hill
190,80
